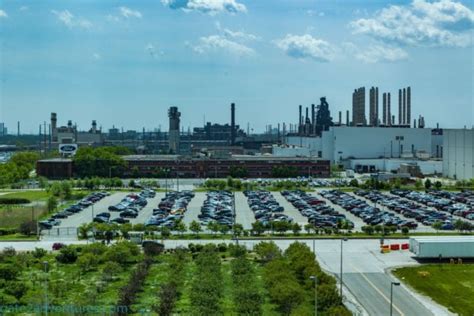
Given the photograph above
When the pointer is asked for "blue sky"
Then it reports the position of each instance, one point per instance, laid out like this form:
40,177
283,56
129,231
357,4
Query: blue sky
124,63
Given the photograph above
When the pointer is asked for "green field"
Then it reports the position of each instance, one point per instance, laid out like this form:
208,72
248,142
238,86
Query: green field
30,195
448,284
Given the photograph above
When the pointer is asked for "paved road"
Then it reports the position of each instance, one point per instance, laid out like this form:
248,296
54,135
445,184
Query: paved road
290,210
244,214
147,211
358,223
194,208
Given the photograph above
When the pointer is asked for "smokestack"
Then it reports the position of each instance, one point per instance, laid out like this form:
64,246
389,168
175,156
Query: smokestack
306,126
340,118
437,125
389,111
414,123
393,120
313,119
347,118
94,127
300,120
376,106
408,110
54,127
384,109
400,114
18,128
232,124
404,108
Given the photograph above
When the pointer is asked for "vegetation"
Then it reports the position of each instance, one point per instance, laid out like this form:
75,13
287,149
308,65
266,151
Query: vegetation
100,162
447,284
17,168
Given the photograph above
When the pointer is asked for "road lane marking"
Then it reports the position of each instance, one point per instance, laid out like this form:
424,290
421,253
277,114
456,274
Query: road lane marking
378,291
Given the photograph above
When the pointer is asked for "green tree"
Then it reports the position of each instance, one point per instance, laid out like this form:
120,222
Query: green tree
267,251
237,229
52,203
309,228
296,228
195,227
258,228
180,227
428,184
437,225
418,184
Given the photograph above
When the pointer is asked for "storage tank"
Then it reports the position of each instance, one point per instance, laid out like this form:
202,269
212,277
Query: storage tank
444,247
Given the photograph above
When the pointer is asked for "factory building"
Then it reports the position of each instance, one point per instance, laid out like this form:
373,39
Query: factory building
70,134
458,153
205,167
341,143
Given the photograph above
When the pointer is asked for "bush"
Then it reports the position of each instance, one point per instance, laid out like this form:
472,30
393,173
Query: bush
67,255
27,228
12,201
39,253
151,248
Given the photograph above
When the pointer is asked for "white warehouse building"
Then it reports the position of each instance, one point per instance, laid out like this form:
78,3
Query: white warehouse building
342,143
384,148
458,153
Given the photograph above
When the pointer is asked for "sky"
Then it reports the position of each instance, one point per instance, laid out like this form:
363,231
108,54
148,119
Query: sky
124,63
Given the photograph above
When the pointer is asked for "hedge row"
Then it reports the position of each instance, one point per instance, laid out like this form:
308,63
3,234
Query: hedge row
11,201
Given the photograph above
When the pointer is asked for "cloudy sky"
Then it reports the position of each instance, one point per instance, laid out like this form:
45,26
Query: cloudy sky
124,63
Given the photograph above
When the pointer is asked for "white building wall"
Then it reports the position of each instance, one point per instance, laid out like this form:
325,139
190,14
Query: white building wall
458,153
291,151
314,144
427,167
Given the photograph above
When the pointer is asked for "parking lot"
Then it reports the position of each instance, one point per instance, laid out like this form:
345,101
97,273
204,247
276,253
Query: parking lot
244,214
194,208
290,210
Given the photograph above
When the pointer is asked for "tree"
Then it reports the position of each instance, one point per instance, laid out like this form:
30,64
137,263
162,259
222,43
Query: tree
67,255
437,225
428,184
237,229
214,227
438,185
167,297
369,230
258,228
267,251
418,184
281,227
27,228
296,228
354,183
309,228
165,232
87,262
224,229
405,230
180,227
195,227
90,162
66,190
51,204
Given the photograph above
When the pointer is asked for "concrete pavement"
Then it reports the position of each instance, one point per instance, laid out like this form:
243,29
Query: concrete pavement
290,210
244,214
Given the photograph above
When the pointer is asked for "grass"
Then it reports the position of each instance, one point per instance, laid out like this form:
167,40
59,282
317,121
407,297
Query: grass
30,195
447,284
17,237
13,215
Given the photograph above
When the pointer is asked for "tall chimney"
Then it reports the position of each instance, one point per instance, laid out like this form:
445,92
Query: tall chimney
384,109
94,127
306,126
300,122
340,118
313,120
18,128
54,127
404,109
347,118
400,113
408,110
232,124
389,111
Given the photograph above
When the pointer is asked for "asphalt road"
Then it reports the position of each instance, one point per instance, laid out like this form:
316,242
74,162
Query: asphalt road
290,210
244,214
194,208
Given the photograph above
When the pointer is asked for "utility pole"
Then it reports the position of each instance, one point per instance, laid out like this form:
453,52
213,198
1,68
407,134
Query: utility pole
45,264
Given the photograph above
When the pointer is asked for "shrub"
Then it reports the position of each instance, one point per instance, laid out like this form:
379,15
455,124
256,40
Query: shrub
13,201
39,253
28,228
151,248
67,255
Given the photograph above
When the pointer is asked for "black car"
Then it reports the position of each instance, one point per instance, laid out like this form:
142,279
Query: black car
120,220
99,219
129,213
104,214
45,225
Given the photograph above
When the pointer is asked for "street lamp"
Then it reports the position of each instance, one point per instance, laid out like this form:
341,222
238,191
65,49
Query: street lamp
340,277
391,295
45,264
315,278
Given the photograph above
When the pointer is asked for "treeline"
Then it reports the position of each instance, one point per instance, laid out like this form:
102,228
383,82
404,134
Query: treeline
289,279
100,161
18,167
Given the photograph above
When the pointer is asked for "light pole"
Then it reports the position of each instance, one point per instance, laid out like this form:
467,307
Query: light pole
45,264
340,277
315,278
391,295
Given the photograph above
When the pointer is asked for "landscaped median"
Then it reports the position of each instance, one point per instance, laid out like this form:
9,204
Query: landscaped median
451,285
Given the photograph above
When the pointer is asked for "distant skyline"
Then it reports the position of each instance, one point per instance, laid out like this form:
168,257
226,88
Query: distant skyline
124,63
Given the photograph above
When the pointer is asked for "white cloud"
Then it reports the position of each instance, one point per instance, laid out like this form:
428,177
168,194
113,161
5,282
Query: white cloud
315,13
237,35
206,6
376,53
214,43
24,8
68,19
423,23
3,14
96,56
129,13
306,47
